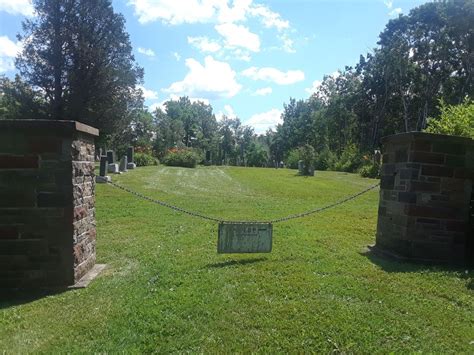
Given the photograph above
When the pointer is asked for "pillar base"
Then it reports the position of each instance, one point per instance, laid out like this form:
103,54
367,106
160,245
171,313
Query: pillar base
87,278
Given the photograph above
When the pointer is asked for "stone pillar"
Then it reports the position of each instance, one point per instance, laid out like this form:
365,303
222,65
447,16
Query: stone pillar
47,206
425,191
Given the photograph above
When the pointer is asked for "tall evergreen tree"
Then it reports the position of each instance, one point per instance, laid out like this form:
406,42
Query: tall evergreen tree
79,54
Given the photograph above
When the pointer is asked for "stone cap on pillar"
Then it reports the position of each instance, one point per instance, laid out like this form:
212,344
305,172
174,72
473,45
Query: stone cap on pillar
50,125
408,136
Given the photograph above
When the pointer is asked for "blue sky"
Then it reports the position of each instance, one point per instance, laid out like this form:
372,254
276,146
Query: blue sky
244,57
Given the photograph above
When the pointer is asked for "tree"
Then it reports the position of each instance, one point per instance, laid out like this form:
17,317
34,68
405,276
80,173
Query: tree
456,120
256,155
169,132
79,54
20,100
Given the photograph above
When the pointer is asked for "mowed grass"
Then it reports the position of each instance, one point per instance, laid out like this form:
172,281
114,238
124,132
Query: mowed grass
167,290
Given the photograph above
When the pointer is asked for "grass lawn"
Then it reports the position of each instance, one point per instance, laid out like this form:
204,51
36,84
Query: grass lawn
167,290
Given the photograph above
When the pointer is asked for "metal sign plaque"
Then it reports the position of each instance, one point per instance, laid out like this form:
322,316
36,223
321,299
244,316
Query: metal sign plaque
244,238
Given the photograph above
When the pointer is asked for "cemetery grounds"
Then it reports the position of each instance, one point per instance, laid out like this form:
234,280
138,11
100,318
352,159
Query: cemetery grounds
167,290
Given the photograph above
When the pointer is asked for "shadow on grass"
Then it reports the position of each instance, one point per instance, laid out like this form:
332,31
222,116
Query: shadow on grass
235,262
16,297
391,264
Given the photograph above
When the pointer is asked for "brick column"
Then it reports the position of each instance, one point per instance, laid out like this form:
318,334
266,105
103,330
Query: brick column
47,207
426,185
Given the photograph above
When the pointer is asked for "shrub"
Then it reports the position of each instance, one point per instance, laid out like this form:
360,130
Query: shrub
292,160
308,156
143,159
320,161
257,155
457,120
349,161
324,160
370,171
186,158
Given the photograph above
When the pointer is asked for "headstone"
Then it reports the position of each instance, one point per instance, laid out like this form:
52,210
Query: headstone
113,168
102,177
208,155
130,155
377,157
131,166
311,171
244,238
123,164
110,156
103,166
300,167
282,165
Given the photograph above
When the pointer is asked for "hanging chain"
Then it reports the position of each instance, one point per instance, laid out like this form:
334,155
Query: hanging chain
282,219
320,209
164,204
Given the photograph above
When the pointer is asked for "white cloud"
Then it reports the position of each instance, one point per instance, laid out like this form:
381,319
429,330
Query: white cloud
236,54
335,74
274,75
177,56
395,12
156,105
236,13
388,3
201,11
214,79
263,91
269,18
228,111
17,7
173,97
265,120
287,43
229,17
204,44
173,12
314,87
8,48
146,51
8,51
148,94
239,36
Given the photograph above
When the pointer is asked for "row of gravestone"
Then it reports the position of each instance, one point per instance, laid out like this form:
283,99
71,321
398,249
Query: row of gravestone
108,164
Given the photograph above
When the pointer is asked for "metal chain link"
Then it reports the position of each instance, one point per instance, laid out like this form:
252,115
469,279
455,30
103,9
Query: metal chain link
164,204
282,219
320,209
